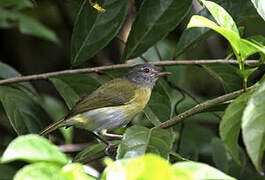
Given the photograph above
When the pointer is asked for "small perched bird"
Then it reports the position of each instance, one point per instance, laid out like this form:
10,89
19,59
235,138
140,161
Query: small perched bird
113,104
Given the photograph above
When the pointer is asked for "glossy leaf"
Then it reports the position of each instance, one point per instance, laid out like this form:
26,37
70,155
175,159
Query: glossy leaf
7,71
139,140
260,6
155,19
230,125
90,151
24,114
231,36
221,16
73,87
75,171
253,126
147,167
94,30
39,171
202,171
26,25
239,9
33,148
226,74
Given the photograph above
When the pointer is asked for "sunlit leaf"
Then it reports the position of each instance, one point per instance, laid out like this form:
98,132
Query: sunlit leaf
39,171
253,126
33,148
202,171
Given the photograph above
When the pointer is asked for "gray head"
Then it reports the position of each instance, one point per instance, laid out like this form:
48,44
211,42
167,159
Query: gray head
144,74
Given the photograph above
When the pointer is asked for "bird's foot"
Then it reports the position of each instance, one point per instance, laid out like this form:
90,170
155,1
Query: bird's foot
104,133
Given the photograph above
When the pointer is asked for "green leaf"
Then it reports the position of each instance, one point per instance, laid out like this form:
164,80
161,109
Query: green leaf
90,151
7,172
57,110
26,25
39,171
75,171
229,128
7,71
94,30
16,5
202,171
231,36
151,116
73,87
33,148
253,126
155,19
219,155
221,16
24,114
226,74
260,7
147,167
240,10
139,140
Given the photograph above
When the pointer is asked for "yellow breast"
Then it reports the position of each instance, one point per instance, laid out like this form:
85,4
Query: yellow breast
138,102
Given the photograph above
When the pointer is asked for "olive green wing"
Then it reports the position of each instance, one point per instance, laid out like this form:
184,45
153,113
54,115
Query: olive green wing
113,93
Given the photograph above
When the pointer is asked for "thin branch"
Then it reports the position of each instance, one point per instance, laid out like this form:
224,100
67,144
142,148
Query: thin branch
72,147
200,107
117,66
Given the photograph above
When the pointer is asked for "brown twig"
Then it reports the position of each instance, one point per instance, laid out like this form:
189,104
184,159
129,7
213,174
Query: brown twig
200,107
117,66
72,147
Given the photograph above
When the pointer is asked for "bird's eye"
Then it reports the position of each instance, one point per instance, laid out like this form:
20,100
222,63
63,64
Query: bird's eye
146,70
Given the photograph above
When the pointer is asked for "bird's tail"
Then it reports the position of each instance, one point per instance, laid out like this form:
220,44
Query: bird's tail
52,127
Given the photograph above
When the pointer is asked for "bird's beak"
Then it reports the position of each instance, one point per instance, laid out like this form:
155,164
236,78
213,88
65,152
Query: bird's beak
161,74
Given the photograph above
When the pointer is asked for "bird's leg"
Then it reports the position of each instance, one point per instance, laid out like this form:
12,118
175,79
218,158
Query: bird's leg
109,144
104,133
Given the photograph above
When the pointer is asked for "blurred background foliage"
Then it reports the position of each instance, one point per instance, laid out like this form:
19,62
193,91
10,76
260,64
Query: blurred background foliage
36,38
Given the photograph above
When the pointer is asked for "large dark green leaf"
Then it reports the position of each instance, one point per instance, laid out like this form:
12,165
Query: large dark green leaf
7,71
227,75
17,5
260,6
239,9
24,114
139,140
73,87
94,30
253,126
26,25
33,148
231,123
155,19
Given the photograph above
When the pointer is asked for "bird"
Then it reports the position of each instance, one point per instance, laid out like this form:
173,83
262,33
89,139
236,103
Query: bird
112,105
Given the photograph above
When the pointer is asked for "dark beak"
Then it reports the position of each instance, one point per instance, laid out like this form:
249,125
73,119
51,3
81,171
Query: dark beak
161,74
